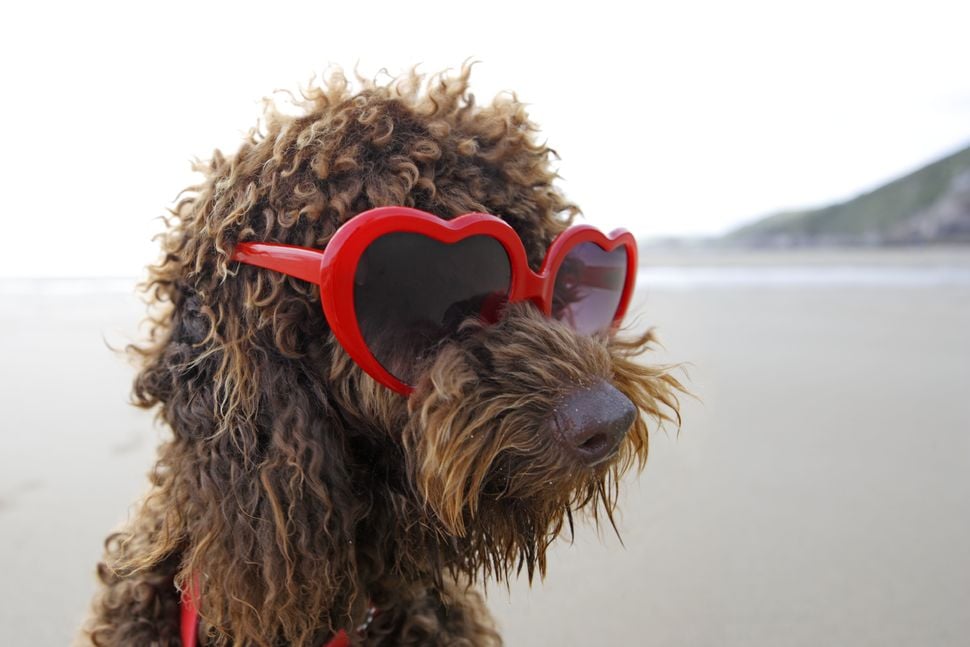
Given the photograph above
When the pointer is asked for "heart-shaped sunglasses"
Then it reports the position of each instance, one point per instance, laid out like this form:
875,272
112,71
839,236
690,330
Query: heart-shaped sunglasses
395,281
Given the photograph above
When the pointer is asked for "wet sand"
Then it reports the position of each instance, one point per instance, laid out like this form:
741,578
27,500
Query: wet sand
818,492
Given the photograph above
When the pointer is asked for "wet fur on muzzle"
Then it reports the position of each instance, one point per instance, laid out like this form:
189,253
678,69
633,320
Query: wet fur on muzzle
480,448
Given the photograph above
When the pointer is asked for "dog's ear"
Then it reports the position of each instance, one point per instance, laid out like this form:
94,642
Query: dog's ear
255,484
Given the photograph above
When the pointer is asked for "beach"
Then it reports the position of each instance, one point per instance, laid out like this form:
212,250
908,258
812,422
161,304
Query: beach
818,491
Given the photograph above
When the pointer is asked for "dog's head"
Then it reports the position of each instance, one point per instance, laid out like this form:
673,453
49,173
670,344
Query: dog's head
294,477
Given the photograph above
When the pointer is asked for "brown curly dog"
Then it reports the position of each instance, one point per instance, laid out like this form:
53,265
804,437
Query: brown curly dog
298,492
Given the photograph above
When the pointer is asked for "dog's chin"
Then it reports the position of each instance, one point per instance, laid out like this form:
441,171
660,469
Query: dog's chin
519,513
510,535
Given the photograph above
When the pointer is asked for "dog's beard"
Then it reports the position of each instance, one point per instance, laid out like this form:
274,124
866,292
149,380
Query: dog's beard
495,482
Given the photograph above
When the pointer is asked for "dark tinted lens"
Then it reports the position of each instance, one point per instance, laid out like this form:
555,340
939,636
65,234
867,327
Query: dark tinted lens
411,291
589,286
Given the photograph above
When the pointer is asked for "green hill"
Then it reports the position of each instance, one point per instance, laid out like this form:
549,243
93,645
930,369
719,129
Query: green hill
931,205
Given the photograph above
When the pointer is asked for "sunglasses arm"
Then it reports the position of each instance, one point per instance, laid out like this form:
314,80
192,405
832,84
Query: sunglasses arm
298,262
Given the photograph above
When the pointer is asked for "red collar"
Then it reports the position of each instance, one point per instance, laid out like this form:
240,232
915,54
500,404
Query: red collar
190,619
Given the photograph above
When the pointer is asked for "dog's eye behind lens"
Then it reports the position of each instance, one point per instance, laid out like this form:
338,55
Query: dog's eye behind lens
411,291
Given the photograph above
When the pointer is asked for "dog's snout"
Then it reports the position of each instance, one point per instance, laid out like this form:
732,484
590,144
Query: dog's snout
592,421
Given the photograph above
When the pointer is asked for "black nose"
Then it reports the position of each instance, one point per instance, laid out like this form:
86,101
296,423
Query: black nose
591,422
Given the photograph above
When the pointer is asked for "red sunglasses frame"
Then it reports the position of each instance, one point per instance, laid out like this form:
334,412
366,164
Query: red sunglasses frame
334,267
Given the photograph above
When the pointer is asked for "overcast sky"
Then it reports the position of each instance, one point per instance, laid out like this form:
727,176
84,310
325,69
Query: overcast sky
672,118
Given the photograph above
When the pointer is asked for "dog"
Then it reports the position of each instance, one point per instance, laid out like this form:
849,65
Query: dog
344,467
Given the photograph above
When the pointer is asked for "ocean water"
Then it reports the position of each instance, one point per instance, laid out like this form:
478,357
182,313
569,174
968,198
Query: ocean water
54,287
681,277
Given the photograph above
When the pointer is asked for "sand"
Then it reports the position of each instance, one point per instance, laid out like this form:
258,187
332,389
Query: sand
818,492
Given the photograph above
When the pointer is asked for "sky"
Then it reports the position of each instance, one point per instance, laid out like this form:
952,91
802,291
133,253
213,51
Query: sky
684,118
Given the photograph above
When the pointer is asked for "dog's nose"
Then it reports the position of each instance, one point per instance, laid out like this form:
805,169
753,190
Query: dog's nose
592,421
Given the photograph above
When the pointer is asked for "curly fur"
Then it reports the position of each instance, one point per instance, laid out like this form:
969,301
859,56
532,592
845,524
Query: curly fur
295,486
